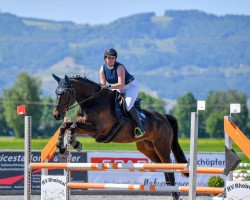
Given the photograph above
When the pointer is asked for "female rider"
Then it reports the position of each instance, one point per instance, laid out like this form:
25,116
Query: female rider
119,79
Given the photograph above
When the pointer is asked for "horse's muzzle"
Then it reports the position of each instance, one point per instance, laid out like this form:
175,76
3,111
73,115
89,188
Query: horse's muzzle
57,115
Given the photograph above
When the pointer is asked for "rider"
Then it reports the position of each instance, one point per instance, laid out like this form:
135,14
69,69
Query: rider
119,79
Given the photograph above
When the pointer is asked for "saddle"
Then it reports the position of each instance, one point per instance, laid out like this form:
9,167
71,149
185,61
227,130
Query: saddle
120,107
122,116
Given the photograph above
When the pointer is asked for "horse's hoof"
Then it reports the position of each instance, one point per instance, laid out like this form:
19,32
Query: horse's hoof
176,196
63,157
78,146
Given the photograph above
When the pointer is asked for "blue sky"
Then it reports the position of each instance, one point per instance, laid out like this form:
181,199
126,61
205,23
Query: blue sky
105,11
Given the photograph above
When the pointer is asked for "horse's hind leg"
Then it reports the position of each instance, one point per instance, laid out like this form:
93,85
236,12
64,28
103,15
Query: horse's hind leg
147,148
162,147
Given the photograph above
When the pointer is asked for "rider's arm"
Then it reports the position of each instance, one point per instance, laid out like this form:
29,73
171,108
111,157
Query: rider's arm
121,78
102,77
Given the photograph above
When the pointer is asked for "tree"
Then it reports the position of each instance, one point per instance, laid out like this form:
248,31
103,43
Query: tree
5,130
218,102
248,125
26,90
185,105
48,125
152,103
213,124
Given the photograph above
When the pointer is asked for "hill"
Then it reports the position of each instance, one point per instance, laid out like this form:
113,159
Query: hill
172,54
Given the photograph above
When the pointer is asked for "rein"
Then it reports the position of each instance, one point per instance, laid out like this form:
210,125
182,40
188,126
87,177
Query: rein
89,98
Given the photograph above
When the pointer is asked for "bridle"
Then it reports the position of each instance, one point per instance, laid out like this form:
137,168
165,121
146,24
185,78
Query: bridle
61,91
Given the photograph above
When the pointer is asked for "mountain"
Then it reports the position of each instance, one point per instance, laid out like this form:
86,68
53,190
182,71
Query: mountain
170,55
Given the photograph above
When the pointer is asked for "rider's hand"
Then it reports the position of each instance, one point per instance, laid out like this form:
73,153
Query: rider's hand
106,87
66,120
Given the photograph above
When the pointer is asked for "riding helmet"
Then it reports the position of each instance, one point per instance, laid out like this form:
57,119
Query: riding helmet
110,52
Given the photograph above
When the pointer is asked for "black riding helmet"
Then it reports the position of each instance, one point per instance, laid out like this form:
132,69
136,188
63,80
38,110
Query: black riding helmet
110,52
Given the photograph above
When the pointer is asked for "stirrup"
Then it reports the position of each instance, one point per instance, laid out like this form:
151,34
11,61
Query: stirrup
138,132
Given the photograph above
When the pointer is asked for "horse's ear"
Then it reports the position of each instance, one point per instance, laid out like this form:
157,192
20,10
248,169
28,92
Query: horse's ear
67,79
56,78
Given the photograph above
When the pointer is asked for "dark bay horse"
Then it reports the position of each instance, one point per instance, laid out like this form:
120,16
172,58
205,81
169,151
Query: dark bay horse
96,116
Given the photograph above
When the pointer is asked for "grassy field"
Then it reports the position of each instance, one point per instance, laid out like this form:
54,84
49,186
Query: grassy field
204,145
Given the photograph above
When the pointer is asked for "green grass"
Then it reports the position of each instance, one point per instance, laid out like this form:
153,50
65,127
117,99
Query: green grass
204,145
88,144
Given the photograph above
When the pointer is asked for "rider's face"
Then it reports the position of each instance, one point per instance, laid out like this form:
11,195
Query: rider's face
110,60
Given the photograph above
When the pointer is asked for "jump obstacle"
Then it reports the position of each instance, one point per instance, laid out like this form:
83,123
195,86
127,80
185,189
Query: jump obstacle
133,167
191,168
242,172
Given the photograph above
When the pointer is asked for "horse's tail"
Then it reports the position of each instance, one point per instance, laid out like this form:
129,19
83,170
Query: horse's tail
176,148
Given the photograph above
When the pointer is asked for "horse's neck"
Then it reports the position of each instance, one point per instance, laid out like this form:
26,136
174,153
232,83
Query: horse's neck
84,90
102,99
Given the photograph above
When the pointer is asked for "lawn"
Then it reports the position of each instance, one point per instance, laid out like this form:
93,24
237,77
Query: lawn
204,145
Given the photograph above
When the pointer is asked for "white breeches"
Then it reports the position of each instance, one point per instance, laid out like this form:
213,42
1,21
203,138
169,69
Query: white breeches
131,91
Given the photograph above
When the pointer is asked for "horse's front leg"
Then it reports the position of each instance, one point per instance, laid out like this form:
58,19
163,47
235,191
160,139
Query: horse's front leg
62,144
85,125
76,144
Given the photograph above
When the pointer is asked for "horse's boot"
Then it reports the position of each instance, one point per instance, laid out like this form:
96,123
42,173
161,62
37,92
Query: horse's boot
60,142
72,140
76,144
139,130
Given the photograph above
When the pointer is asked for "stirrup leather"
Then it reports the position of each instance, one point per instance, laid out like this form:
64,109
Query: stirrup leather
138,132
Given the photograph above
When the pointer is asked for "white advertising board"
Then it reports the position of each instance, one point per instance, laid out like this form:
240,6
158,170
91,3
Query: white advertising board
147,178
53,187
238,190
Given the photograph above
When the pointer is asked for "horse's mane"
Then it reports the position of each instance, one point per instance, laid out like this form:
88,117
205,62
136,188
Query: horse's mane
98,98
84,79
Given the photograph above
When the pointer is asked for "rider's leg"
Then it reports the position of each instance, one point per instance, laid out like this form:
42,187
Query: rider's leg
131,93
139,130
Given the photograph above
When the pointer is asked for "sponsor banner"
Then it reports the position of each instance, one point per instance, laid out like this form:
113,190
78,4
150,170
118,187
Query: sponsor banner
12,170
238,190
53,187
147,178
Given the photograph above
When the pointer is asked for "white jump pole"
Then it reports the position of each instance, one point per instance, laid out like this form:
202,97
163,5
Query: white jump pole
234,108
193,150
27,157
193,156
67,173
228,144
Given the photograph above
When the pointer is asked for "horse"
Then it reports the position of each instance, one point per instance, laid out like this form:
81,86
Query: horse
96,117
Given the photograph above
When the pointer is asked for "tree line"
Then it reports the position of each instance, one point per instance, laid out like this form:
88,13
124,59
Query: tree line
27,90
211,121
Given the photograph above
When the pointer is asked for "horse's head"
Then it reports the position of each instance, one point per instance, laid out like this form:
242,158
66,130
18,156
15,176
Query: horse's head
64,96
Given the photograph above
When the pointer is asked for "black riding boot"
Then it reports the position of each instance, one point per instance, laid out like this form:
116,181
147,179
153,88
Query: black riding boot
139,131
